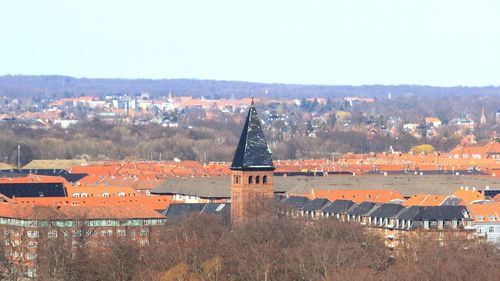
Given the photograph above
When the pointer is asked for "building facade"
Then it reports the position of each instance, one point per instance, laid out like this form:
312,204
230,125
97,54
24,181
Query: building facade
252,188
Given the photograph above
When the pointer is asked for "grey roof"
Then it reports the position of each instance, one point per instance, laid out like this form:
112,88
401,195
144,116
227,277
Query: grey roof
176,211
413,213
314,205
219,187
295,202
387,211
451,201
446,213
213,187
340,206
33,189
252,152
362,209
434,213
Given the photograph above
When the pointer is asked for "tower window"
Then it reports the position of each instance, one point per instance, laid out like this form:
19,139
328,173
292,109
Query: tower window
257,179
250,179
264,179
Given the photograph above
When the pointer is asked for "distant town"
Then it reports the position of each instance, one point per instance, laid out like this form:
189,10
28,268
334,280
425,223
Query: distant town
90,201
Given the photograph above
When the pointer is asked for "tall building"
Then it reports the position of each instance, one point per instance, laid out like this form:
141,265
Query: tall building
252,188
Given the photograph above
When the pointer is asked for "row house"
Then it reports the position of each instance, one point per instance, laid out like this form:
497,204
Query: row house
392,221
338,209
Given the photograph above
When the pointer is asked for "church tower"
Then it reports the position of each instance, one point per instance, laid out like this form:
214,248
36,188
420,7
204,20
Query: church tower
252,189
482,120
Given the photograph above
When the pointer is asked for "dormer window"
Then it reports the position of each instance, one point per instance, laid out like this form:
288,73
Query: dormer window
480,218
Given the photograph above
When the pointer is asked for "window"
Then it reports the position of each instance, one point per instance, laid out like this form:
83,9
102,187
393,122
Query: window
257,179
121,232
33,234
32,244
480,218
264,179
144,232
491,229
52,234
250,179
492,218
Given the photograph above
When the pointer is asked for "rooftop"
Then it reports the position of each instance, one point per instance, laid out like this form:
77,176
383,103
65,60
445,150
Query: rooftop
252,152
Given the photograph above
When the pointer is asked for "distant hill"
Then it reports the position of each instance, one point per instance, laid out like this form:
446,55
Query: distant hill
65,86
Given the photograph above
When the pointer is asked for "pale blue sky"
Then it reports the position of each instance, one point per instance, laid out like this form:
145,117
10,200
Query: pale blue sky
433,42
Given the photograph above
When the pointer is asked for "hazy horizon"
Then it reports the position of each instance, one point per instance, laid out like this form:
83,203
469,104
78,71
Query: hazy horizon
442,44
254,82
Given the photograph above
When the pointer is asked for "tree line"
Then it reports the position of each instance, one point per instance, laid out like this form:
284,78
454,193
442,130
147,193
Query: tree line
205,248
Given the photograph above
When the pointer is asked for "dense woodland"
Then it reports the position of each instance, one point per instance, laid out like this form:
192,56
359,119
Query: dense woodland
204,248
65,86
101,141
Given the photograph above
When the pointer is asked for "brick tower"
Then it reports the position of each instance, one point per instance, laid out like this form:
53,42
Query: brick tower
252,189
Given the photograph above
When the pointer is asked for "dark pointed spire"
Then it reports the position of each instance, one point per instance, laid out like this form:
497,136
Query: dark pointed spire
252,153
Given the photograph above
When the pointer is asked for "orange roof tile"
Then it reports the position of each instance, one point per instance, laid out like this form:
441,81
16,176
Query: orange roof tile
40,212
424,200
485,212
469,196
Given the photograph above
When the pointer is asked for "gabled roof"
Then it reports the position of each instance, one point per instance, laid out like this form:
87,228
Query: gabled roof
387,211
425,200
175,211
362,209
216,187
55,164
445,213
338,207
413,213
315,204
485,212
468,195
295,202
30,212
252,152
452,201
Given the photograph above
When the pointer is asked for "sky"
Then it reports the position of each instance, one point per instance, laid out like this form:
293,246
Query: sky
430,42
